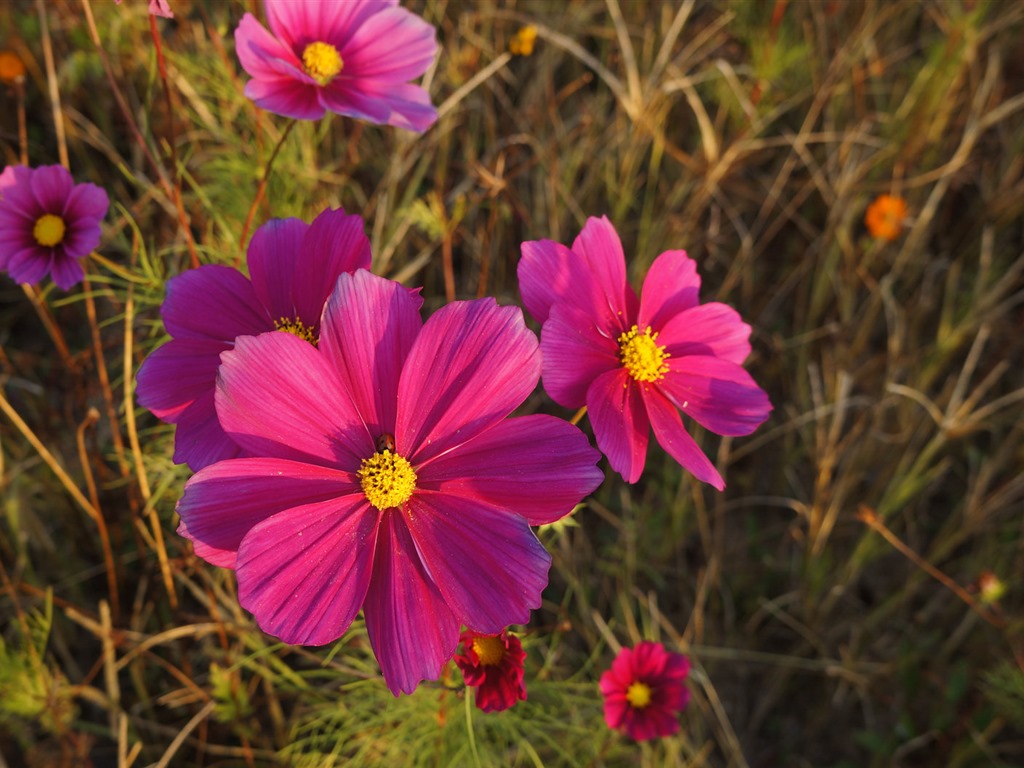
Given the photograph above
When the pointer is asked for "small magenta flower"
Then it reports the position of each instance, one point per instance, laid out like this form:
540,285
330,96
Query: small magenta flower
635,363
644,691
157,8
493,664
293,267
387,477
47,224
354,58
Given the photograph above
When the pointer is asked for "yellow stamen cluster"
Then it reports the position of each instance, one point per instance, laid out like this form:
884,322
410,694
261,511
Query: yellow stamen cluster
489,650
388,479
321,61
641,355
295,327
49,230
638,695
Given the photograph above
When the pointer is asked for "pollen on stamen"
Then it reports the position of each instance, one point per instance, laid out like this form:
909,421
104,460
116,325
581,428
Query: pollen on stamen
321,61
641,355
296,327
489,650
387,479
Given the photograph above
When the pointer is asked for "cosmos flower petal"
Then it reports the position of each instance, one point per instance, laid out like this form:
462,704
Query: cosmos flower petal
304,572
621,426
298,22
402,105
487,562
711,329
537,466
199,439
368,329
334,243
391,46
176,374
412,630
277,396
260,52
717,393
273,258
87,201
287,97
646,667
80,241
52,185
472,364
575,352
599,245
66,272
673,437
30,266
213,302
672,286
223,501
547,274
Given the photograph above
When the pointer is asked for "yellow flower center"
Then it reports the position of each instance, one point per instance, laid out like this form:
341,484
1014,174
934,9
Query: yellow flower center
638,695
49,230
522,42
641,356
388,479
321,61
490,650
295,327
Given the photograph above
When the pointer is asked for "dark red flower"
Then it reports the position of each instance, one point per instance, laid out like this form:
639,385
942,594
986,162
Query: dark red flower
493,664
644,690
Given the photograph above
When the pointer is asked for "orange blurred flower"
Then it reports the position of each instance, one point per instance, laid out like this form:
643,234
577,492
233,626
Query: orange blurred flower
885,216
522,42
11,67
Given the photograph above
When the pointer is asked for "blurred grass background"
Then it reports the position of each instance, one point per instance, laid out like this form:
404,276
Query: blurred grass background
817,596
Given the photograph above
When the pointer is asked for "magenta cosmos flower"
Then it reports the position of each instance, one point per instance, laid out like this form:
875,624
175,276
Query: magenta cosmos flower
157,8
388,477
354,58
644,690
636,362
493,664
47,224
293,266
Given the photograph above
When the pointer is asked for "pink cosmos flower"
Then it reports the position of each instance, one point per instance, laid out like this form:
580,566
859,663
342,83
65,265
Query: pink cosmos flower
388,476
643,691
354,58
293,267
636,362
157,8
493,664
47,223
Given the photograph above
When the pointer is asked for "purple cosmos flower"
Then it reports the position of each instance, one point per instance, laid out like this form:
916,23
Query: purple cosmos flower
644,691
354,58
636,362
389,477
293,267
47,223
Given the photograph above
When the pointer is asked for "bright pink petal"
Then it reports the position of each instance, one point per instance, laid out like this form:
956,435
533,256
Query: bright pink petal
472,364
223,502
160,8
369,326
412,630
287,97
670,434
278,396
537,466
300,22
176,374
391,46
213,302
334,243
599,246
621,427
260,53
199,439
548,273
718,394
672,286
711,329
303,572
66,272
575,352
402,105
51,185
273,258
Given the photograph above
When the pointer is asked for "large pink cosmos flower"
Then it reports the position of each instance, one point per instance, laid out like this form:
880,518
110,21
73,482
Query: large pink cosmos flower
493,664
293,267
635,362
388,477
354,58
47,223
644,690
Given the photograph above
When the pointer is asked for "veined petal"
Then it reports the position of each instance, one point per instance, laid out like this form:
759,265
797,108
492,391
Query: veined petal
30,265
299,22
599,245
672,286
487,563
277,395
575,351
286,96
273,258
368,328
536,466
392,46
224,501
174,375
670,434
86,201
621,427
213,302
472,364
66,271
711,329
718,394
412,630
403,105
548,273
303,572
258,49
334,243
51,185
199,439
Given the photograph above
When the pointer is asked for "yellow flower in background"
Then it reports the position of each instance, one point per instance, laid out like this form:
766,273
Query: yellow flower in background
884,217
522,43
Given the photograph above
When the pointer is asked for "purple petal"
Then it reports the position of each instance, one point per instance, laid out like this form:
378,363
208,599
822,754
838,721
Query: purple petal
273,257
670,434
51,185
621,427
81,237
16,198
287,97
718,394
66,271
537,466
176,374
391,46
575,352
277,395
672,286
213,302
223,502
303,572
369,326
599,246
88,202
402,105
334,243
199,439
547,274
711,329
412,630
472,364
31,265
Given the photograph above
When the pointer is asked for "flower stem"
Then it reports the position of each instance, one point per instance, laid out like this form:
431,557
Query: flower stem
261,190
578,416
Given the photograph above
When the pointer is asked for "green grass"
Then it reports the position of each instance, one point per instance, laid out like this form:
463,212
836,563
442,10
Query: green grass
752,134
